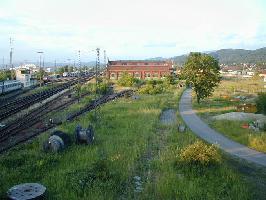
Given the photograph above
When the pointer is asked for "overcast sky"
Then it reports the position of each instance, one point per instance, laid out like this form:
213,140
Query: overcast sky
128,29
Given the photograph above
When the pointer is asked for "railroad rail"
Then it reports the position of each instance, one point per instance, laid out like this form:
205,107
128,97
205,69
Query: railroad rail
99,102
18,126
17,105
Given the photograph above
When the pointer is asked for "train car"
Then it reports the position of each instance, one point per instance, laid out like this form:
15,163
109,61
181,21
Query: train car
9,86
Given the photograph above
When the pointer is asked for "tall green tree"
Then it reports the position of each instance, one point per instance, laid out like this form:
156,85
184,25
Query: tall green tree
201,71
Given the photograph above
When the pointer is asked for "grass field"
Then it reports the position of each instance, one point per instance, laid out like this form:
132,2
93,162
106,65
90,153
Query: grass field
217,104
130,142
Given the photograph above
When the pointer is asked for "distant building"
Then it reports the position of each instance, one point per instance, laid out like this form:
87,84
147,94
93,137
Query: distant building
32,67
24,76
140,69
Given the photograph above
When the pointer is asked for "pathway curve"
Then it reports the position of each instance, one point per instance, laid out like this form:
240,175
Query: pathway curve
201,129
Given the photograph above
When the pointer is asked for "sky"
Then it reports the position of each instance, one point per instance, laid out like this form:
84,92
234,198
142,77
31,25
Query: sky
128,29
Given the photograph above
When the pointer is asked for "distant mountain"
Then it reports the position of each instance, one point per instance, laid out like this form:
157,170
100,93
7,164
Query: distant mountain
157,58
230,56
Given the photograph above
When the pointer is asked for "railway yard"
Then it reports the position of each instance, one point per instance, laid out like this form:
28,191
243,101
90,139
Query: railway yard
27,116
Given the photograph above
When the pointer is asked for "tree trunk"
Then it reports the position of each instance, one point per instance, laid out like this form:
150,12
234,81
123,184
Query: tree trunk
198,99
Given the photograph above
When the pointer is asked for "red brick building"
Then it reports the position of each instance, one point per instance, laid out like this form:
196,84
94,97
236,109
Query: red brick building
139,69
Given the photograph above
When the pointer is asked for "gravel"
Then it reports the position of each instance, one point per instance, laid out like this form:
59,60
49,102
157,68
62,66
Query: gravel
239,116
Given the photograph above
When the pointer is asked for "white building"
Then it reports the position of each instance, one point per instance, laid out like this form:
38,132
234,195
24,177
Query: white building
24,76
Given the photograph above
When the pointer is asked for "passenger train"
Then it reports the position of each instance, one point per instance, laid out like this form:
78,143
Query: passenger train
9,85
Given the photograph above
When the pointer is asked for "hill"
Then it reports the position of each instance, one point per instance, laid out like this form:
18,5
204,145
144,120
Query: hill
230,56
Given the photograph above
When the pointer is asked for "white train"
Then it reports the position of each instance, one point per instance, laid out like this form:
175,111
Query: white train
9,85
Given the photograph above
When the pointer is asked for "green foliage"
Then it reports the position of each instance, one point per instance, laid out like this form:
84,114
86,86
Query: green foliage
159,86
261,103
127,80
247,137
97,175
7,74
200,153
151,89
202,72
3,75
60,70
70,69
103,88
169,80
66,68
77,89
40,74
132,148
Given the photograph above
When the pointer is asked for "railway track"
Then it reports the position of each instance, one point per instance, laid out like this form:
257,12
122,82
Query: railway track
17,105
21,125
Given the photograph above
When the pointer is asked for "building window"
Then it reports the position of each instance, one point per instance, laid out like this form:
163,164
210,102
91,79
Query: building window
112,76
147,75
155,75
137,75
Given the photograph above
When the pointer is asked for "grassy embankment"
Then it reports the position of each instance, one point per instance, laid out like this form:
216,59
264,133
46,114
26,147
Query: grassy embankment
130,141
221,102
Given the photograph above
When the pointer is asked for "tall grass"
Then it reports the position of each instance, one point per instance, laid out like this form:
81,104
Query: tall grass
130,141
216,105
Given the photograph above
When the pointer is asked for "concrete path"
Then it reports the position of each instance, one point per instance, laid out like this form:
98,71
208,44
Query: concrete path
201,129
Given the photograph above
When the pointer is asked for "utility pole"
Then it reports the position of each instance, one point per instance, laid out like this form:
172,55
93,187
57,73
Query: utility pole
96,80
55,65
43,62
3,62
79,63
40,52
104,58
68,65
11,54
79,86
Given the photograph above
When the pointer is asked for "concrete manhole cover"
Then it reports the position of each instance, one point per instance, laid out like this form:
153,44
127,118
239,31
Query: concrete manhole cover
26,191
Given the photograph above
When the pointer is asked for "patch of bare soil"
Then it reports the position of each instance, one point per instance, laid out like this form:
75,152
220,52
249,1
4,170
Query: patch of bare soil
168,117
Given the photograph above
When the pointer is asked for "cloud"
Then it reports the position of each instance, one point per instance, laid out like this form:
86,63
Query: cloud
130,29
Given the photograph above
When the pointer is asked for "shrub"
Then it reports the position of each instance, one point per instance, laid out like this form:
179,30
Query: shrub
200,153
258,143
261,103
103,88
169,80
127,80
151,89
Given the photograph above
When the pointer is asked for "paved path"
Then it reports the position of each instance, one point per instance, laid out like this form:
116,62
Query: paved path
205,132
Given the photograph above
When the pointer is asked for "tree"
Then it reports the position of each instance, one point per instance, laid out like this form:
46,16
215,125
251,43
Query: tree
60,70
71,69
261,103
3,75
201,71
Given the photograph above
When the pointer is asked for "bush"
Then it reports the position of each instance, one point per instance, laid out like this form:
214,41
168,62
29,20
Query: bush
127,80
169,80
258,142
151,89
103,88
200,154
261,103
